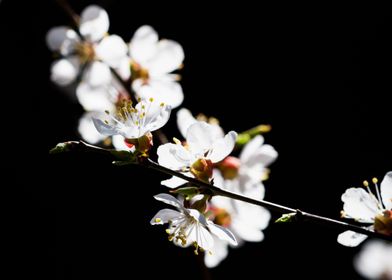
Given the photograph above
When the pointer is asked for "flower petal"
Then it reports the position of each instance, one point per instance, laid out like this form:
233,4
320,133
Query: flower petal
97,74
200,138
157,117
105,129
62,39
219,253
94,23
95,98
223,147
173,156
169,199
264,156
184,120
386,190
65,71
164,216
351,239
168,57
143,44
174,182
222,233
164,91
112,50
359,205
251,147
87,130
246,231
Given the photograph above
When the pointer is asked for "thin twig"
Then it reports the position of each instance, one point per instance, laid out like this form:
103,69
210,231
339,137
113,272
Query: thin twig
299,214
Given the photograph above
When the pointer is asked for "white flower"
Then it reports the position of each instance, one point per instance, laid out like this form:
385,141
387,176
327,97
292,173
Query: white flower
366,207
375,260
152,62
95,53
202,148
133,123
189,226
244,220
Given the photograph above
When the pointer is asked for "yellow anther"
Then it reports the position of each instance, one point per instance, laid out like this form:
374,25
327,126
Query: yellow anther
143,107
196,252
375,180
139,99
176,141
151,99
170,238
105,121
162,104
210,253
107,112
158,220
167,231
366,183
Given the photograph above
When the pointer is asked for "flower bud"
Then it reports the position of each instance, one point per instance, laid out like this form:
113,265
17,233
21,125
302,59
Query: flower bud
229,167
142,144
202,169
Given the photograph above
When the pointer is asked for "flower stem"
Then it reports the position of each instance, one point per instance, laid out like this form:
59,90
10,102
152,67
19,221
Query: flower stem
148,163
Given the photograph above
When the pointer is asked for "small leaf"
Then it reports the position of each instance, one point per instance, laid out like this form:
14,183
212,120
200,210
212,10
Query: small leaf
61,148
286,218
187,192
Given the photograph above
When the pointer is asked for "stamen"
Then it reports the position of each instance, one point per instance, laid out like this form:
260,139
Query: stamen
107,112
151,99
158,220
375,181
176,141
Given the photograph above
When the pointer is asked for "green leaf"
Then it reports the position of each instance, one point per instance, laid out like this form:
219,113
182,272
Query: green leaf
286,218
61,148
244,137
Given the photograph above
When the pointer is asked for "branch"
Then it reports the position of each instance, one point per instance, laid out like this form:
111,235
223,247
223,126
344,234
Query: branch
148,163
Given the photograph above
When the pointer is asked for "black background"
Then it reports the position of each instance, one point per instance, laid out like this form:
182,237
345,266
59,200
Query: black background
319,75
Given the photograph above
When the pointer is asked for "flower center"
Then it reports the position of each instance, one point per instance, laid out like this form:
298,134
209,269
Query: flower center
221,216
138,72
383,223
202,169
85,51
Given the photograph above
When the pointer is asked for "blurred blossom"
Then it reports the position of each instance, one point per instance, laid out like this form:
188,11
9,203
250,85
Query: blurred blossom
189,226
369,207
152,62
375,260
91,54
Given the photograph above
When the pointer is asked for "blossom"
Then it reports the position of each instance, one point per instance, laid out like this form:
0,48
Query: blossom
375,210
152,62
189,226
135,124
202,149
94,53
244,220
374,260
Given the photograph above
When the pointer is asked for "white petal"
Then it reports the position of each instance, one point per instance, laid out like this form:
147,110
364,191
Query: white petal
358,204
95,98
87,130
386,190
200,138
162,91
223,147
218,179
173,156
65,71
164,216
124,68
168,57
184,120
173,182
374,260
251,147
264,156
246,231
62,39
222,233
94,23
251,216
169,199
97,74
105,129
219,253
118,143
351,239
202,236
112,50
143,44
156,120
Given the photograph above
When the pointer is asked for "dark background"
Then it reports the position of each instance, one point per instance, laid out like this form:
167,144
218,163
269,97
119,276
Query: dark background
320,75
